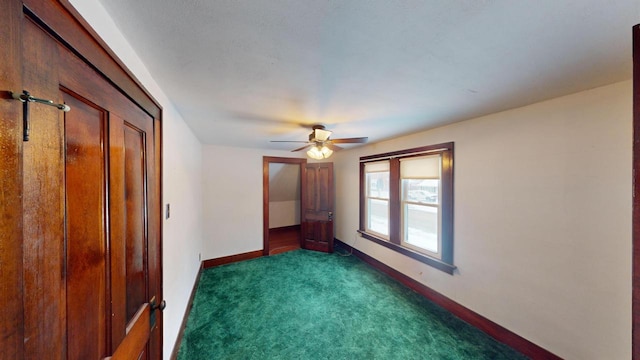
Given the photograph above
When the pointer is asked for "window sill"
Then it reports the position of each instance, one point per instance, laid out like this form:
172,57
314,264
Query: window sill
433,262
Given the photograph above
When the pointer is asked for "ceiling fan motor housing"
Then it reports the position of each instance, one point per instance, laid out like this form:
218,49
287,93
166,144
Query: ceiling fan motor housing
320,137
319,134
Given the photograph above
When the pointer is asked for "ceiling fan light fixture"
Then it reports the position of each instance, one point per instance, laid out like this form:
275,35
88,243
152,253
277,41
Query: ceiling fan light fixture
326,152
321,145
321,134
319,152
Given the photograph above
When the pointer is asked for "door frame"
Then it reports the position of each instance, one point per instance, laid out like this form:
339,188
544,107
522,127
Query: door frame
266,160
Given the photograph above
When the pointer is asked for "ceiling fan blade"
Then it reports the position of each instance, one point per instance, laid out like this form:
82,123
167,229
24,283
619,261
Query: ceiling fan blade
358,140
302,148
333,147
289,141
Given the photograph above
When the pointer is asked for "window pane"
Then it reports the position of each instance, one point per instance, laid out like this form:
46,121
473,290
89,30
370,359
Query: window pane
421,191
421,226
378,185
378,216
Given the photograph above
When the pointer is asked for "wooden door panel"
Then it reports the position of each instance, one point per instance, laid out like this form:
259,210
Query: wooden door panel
135,230
309,231
43,201
85,130
12,312
147,142
154,194
133,215
324,184
324,230
117,233
129,225
317,223
310,195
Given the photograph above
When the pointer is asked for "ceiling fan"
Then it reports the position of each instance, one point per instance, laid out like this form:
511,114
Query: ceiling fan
321,145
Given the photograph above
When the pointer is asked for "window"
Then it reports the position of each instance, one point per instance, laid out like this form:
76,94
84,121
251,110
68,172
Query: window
377,193
420,187
406,203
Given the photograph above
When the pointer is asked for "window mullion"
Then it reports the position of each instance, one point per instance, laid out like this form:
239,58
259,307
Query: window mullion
363,197
395,212
447,205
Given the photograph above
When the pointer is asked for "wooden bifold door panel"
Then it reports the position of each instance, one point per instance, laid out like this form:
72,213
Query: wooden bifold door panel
91,196
86,230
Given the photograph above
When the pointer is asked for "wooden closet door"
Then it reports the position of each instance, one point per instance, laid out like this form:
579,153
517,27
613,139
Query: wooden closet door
86,229
120,137
43,215
129,179
11,252
92,258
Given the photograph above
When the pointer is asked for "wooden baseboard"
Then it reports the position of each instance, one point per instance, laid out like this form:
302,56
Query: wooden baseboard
492,329
185,317
231,259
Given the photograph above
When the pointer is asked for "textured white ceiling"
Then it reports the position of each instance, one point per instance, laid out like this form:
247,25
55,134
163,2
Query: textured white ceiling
243,72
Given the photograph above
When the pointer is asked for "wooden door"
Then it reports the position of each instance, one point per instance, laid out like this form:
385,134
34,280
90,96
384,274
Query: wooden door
11,266
92,271
317,216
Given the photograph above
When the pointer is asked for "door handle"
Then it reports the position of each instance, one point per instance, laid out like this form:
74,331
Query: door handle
161,306
154,307
330,216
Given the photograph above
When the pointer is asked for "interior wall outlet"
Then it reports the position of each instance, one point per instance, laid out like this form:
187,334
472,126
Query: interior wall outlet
168,211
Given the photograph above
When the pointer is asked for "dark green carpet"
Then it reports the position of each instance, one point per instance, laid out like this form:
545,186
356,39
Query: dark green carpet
310,305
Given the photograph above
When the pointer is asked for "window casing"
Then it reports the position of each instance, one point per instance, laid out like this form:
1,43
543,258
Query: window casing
406,203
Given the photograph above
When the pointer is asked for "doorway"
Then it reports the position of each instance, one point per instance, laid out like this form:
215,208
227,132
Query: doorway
282,204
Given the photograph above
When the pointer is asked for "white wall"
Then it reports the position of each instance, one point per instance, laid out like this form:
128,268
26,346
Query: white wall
284,213
233,199
542,229
182,181
284,195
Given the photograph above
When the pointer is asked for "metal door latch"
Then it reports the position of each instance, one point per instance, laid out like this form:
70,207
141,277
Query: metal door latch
26,98
154,307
